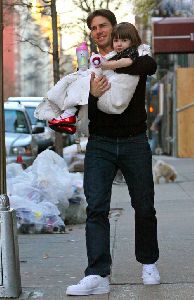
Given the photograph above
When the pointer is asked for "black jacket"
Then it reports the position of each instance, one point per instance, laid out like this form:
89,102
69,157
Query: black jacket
133,120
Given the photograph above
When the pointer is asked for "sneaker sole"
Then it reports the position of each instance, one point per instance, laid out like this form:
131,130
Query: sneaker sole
151,282
96,291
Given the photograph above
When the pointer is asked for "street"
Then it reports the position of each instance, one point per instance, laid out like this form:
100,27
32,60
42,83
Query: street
49,263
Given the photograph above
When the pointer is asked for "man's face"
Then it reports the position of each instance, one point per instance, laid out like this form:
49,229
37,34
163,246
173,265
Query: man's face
101,29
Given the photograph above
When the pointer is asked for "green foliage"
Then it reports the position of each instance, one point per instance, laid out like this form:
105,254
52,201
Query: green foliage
143,9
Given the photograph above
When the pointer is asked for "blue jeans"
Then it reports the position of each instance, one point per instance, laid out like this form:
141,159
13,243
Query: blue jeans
104,156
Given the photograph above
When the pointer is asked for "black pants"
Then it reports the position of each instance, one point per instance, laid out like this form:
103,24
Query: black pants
104,156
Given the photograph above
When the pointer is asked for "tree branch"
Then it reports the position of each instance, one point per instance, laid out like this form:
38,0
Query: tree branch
33,44
81,4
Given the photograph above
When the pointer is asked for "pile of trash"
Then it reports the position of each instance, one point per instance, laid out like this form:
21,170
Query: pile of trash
74,155
46,195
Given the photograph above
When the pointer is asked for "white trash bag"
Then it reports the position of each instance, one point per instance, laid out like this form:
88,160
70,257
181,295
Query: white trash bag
36,218
52,177
13,169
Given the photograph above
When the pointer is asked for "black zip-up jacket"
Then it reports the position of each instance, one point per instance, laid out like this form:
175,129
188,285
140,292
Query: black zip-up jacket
133,120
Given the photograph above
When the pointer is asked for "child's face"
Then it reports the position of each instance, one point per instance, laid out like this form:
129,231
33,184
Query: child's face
121,44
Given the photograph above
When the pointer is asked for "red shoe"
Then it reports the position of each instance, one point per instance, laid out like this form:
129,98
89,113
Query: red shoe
68,120
70,129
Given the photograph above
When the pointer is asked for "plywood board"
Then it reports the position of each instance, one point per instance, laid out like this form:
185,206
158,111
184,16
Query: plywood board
185,114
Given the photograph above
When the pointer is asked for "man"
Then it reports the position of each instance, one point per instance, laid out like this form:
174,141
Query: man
117,142
156,133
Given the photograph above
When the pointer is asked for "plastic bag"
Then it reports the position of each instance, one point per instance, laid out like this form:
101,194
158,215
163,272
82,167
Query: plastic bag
75,160
41,194
13,169
73,148
24,185
75,213
36,218
52,177
77,163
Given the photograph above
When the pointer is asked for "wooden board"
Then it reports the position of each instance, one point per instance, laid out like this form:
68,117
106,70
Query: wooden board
185,117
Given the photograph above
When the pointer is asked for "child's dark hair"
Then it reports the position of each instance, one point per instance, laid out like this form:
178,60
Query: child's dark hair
106,13
126,30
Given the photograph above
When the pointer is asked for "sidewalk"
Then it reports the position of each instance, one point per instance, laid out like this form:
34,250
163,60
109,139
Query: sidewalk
49,263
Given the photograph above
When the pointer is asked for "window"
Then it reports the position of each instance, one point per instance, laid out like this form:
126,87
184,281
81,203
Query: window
34,121
15,121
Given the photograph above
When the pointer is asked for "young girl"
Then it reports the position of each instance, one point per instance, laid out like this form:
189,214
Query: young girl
71,91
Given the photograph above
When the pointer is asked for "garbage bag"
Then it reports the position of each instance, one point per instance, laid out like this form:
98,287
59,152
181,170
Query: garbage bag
24,185
75,212
52,177
13,169
41,194
36,218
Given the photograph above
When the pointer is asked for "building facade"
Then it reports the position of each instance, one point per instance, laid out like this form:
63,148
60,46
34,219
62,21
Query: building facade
10,54
163,90
27,50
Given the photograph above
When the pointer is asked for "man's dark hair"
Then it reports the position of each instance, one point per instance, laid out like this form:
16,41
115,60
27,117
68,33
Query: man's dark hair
106,13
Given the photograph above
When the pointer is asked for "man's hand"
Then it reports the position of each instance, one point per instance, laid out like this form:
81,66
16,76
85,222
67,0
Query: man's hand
99,85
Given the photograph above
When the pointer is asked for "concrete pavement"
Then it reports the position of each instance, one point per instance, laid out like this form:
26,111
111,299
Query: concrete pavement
49,263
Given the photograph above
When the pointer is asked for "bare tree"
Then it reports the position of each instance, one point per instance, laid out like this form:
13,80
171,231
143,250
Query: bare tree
39,40
85,7
24,8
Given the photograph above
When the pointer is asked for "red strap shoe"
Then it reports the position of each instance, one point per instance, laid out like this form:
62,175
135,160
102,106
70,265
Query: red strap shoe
69,120
70,129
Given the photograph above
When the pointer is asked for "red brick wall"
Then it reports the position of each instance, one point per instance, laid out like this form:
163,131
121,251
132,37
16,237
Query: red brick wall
9,58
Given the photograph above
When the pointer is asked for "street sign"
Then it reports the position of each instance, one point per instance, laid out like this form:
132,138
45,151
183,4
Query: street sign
173,35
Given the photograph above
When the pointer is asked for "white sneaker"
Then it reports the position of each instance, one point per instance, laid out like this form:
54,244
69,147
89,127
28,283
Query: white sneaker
90,285
150,274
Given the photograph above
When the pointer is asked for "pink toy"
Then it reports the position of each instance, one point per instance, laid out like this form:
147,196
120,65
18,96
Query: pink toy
82,56
96,60
95,64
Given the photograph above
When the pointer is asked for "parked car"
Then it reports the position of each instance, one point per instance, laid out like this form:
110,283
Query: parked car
21,146
45,139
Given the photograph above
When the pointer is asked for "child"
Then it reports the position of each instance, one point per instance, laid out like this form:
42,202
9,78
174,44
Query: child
73,90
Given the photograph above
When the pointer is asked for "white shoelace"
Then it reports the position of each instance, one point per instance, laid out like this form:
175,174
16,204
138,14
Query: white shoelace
86,279
149,268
